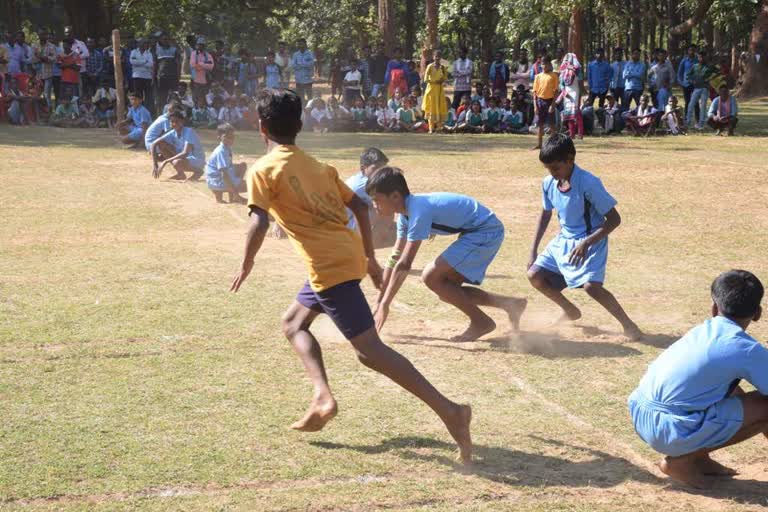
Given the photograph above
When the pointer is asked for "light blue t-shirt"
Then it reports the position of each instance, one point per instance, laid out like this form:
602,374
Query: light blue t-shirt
159,126
586,191
140,115
220,162
357,183
188,135
442,213
634,75
705,365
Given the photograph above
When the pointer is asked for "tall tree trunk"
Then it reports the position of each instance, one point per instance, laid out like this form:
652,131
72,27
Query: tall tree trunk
431,42
387,25
756,76
576,33
410,26
89,18
11,15
563,30
636,15
698,14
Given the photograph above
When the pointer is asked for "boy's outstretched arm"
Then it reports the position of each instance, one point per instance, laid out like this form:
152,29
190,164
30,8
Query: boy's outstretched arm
612,221
397,250
546,216
396,280
360,210
253,240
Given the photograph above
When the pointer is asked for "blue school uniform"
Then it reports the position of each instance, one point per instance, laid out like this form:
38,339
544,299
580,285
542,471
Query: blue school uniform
159,127
683,402
580,211
357,183
139,116
188,135
441,213
220,162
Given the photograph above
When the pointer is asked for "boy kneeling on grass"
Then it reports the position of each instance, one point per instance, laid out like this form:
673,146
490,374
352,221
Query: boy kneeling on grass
221,174
689,403
308,199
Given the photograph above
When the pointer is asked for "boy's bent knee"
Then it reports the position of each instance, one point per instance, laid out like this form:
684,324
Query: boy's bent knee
593,288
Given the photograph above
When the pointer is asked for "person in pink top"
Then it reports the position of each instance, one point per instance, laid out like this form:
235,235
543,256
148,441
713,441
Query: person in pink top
200,63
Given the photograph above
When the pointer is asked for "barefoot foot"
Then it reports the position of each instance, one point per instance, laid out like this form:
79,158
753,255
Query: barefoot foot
475,331
713,468
178,176
633,332
515,309
684,471
568,316
318,414
458,427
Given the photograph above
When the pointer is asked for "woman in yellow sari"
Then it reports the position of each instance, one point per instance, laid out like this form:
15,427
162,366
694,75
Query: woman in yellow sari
433,105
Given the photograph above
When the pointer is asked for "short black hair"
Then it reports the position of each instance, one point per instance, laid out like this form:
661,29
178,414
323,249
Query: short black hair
557,148
373,156
737,294
386,181
178,114
225,129
280,112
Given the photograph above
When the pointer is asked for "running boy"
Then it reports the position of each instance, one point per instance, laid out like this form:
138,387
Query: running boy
689,403
465,261
221,174
577,256
136,122
307,198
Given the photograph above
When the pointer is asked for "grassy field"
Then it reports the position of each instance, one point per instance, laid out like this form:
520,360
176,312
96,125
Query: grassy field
130,377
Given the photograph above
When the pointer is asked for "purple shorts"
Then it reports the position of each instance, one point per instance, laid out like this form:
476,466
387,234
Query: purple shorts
344,303
544,116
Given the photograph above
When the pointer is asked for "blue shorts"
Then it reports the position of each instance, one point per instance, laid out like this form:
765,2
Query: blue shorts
136,133
196,162
674,432
591,270
344,303
216,181
472,253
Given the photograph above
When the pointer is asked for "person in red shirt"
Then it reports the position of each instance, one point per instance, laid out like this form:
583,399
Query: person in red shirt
69,62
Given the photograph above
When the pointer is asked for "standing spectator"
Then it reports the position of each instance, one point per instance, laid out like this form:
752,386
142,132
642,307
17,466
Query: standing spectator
93,66
47,58
699,76
248,73
635,73
664,77
352,86
617,79
189,47
219,61
395,75
109,66
599,76
723,113
462,76
81,50
20,55
521,70
571,85
412,76
545,87
4,58
558,60
229,65
271,72
378,71
201,62
364,65
434,105
167,69
143,65
69,62
498,74
283,59
682,74
56,79
303,64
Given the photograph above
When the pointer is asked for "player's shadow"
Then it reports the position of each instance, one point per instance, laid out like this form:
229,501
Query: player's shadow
653,340
593,468
547,345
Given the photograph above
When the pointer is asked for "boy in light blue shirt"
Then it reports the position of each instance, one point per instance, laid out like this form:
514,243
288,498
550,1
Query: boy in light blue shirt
185,147
465,261
689,402
635,74
159,126
578,255
136,122
221,173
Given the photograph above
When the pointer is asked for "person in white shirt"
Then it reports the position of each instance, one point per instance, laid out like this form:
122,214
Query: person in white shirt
521,71
352,84
143,64
462,77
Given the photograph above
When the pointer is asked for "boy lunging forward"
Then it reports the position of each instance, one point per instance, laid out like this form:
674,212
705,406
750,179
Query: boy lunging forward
308,199
577,256
689,402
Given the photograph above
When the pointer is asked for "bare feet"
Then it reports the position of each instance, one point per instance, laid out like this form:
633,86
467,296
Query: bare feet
458,427
712,468
568,316
178,176
195,176
633,332
318,414
684,470
476,330
515,309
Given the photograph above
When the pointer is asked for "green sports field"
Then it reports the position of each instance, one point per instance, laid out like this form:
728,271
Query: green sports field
131,378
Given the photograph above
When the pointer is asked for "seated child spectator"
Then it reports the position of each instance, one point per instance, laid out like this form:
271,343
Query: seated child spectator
642,119
396,101
407,118
479,93
213,112
216,92
450,120
465,104
723,112
136,122
386,118
341,117
416,96
319,117
185,148
15,102
104,114
612,121
221,173
251,115
673,116
230,113
186,97
200,114
88,113
689,402
105,92
471,121
359,114
524,102
512,122
66,114
492,116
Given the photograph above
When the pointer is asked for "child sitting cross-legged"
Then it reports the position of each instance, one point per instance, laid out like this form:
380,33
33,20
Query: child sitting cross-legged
407,118
492,116
512,122
471,121
689,403
221,173
66,114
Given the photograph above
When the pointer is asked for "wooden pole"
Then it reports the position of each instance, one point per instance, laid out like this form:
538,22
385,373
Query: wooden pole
120,91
